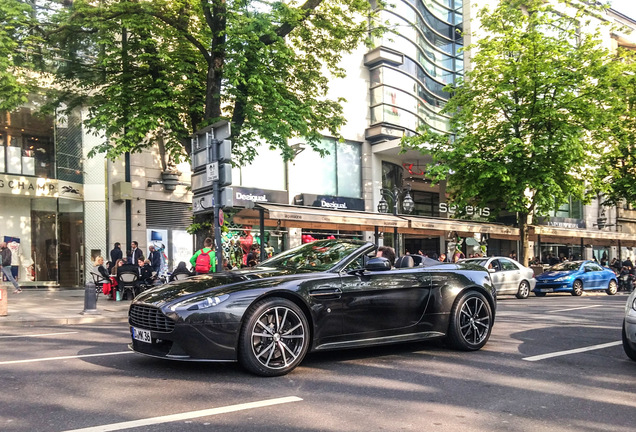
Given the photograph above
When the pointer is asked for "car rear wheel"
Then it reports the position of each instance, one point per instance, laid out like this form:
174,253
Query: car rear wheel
629,347
524,290
577,288
470,322
274,338
612,288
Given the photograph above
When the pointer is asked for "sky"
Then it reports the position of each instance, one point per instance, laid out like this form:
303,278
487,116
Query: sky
626,7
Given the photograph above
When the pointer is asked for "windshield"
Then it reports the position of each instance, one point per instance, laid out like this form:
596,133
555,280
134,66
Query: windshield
316,256
481,262
566,266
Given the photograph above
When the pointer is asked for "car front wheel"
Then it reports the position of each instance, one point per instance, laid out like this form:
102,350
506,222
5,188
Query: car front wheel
577,288
539,294
470,322
524,290
612,288
629,347
274,338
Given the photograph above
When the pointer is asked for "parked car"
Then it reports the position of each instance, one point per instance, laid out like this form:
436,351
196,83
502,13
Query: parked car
327,294
508,275
575,277
629,327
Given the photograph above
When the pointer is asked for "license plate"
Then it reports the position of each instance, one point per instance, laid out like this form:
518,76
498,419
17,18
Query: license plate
141,335
545,290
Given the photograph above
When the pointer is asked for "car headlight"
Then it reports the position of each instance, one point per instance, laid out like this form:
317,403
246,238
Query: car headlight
562,279
207,302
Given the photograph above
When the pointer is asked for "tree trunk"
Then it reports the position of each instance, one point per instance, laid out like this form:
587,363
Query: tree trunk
524,242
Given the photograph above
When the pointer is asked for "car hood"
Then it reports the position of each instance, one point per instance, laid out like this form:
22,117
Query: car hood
555,274
216,283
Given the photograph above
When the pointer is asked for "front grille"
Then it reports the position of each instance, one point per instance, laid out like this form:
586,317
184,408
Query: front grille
149,318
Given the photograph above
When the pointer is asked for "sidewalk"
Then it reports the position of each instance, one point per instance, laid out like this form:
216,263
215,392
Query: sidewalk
41,307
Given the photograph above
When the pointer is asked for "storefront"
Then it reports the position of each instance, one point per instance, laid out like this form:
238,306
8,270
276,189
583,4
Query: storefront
42,223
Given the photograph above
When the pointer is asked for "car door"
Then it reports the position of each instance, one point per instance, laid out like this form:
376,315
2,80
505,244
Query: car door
511,275
382,303
593,276
496,275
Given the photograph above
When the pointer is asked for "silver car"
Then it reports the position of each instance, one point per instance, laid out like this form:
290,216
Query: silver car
508,276
629,327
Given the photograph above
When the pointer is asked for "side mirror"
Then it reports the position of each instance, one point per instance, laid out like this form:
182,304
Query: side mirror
491,270
378,264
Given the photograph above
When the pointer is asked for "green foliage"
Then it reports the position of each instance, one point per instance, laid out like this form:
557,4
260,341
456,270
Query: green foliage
162,69
530,120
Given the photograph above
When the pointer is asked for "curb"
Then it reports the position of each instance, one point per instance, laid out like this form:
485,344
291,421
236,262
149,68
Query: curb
33,322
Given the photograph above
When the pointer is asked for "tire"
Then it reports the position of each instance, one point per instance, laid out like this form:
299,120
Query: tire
539,294
274,338
577,288
629,347
612,288
471,322
524,290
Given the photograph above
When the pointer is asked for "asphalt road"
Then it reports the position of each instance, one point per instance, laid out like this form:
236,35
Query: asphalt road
552,364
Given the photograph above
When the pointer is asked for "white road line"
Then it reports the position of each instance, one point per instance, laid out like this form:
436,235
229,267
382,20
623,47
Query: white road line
187,415
37,335
577,308
63,358
572,351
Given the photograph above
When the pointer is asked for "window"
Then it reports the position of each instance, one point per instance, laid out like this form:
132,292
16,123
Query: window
337,173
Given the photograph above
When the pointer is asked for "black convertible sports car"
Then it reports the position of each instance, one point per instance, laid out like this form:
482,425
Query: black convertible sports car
327,294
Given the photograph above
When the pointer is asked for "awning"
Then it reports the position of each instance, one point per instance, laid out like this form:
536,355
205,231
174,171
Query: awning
568,235
435,225
318,218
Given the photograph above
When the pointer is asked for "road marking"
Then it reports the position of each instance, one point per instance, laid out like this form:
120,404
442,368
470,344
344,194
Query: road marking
577,308
37,335
572,351
187,415
63,358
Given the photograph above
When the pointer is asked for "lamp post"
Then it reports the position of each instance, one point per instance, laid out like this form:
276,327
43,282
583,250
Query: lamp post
407,206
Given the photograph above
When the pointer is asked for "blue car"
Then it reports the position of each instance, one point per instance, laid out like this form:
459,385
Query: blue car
575,277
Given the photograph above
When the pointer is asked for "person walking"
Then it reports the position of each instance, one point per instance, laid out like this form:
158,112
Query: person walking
155,259
115,255
135,253
204,260
5,266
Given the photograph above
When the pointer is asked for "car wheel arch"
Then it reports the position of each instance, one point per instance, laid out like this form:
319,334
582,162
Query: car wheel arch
287,295
490,297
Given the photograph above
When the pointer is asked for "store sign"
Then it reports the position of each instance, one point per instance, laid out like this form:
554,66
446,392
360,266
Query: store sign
562,222
247,197
40,187
451,209
330,202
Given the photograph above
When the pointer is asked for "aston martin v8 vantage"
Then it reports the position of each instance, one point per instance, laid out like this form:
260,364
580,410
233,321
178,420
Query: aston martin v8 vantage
323,295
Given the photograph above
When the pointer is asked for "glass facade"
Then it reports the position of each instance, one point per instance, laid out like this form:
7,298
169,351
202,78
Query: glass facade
41,194
411,94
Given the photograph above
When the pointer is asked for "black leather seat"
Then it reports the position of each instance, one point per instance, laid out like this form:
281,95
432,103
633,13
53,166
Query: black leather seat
405,262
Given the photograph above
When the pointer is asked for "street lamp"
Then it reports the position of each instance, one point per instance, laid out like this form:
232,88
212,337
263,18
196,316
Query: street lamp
407,206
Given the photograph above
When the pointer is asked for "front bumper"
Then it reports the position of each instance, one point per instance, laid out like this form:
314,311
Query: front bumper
200,337
548,287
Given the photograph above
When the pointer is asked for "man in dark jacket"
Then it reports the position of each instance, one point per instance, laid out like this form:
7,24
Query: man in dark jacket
5,266
155,259
115,255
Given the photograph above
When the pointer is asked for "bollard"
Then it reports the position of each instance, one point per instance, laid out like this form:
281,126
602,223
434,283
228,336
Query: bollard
90,300
4,304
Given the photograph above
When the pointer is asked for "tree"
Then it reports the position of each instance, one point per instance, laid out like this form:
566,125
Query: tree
617,173
529,121
156,71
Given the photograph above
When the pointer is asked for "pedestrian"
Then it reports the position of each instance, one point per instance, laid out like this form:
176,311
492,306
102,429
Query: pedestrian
442,257
204,260
115,255
155,259
5,266
181,269
135,253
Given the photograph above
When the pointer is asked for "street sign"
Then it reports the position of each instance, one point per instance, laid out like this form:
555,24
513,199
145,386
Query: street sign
212,171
